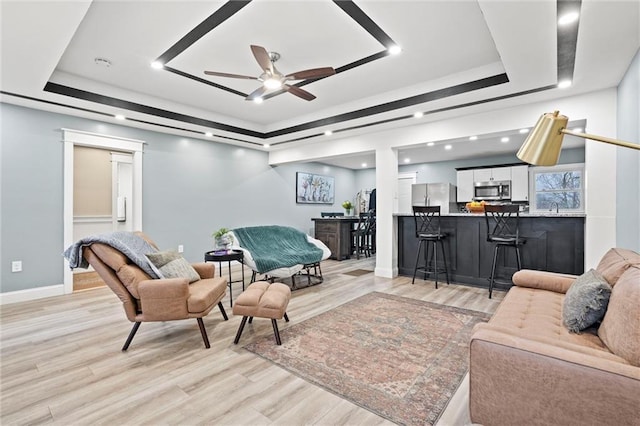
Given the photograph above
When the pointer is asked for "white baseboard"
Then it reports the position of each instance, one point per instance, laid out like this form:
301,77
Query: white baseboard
386,272
31,294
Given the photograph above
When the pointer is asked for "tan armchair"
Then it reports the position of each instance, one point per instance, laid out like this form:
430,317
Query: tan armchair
146,299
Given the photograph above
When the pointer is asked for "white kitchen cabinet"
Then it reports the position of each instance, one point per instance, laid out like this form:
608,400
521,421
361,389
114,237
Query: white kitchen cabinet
465,186
495,173
520,183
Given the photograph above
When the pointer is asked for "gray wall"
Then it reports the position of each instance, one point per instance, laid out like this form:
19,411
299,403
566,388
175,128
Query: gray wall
191,187
628,161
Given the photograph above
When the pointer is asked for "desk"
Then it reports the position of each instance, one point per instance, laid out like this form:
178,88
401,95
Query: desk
227,256
335,233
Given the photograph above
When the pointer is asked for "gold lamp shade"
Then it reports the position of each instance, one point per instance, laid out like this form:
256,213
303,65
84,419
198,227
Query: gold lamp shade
542,146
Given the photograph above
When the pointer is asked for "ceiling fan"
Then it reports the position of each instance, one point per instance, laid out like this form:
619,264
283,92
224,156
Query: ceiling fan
273,79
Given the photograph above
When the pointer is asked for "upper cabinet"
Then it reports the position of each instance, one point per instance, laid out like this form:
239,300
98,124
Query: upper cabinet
497,173
465,186
520,183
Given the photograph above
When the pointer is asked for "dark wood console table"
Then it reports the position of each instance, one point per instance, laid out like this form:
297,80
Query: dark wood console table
335,233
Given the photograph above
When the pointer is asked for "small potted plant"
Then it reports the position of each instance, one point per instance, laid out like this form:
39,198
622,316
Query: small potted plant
347,205
222,238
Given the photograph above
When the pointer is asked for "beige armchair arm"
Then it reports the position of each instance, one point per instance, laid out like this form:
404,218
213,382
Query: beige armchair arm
205,269
164,299
543,280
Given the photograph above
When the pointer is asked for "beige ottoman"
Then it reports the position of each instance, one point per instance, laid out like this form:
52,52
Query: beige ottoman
263,300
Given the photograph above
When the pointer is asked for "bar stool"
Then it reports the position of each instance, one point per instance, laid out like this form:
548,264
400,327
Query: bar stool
427,220
503,230
361,235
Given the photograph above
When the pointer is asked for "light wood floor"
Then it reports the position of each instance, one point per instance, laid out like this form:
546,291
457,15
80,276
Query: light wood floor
62,364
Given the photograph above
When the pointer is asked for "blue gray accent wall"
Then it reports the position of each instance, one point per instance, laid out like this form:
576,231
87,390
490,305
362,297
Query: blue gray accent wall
628,161
191,187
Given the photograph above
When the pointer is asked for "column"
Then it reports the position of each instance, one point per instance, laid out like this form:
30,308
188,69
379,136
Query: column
386,223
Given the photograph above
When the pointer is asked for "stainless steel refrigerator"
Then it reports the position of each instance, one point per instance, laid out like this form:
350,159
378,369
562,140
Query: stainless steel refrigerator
435,194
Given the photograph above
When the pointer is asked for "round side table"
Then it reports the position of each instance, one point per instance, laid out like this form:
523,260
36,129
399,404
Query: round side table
227,256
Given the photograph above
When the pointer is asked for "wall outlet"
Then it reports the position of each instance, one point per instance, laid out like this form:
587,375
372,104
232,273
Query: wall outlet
180,248
16,266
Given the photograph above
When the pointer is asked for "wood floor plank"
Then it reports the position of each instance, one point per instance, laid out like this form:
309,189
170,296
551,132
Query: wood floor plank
61,361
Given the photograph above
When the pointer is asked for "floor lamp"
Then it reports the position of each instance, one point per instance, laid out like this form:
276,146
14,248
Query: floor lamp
542,146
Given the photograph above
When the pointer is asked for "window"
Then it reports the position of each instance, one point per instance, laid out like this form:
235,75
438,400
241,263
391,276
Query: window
558,187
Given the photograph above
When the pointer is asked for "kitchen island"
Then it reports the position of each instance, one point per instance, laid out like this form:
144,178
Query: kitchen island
555,242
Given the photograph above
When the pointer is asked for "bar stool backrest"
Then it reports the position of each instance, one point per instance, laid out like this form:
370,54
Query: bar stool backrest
502,222
427,220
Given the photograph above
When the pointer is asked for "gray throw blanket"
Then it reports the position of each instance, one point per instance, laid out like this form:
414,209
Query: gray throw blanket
130,244
274,247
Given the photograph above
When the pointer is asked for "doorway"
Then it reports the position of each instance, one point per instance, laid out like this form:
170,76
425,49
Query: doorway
405,180
105,195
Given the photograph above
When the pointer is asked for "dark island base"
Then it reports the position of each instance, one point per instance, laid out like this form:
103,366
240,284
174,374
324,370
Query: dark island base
554,244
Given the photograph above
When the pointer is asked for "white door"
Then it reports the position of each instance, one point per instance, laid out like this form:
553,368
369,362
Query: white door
405,181
122,191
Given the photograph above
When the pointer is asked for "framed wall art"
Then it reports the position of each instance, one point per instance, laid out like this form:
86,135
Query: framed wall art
314,189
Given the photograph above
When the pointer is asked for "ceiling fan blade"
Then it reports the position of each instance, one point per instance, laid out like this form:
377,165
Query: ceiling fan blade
224,74
311,73
295,90
256,93
262,56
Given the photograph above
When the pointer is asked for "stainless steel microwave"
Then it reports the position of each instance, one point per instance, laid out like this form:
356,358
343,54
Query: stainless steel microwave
492,190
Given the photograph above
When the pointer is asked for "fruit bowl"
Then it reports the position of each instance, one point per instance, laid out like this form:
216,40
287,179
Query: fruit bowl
475,208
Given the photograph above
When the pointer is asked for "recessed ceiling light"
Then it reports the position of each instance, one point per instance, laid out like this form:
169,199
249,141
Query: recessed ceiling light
473,138
266,145
364,164
328,133
564,84
258,100
395,49
504,140
208,134
407,160
157,65
418,114
568,18
448,147
524,130
119,117
430,144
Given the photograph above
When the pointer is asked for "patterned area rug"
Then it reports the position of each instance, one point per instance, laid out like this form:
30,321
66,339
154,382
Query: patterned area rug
358,272
400,358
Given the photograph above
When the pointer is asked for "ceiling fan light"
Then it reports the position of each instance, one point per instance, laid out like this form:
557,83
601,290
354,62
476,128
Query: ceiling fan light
272,83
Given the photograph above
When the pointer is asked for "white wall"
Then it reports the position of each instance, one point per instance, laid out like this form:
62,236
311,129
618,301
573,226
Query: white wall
628,178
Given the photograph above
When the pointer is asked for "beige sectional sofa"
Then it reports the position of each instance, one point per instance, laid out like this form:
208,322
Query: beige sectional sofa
526,368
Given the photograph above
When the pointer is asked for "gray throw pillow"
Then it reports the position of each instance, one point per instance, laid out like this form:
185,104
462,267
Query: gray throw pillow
169,264
586,301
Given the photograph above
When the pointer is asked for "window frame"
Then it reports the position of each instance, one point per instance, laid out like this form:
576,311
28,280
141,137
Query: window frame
560,168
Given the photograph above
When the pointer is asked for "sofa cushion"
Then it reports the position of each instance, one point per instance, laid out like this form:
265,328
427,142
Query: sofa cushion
533,313
586,301
615,262
620,328
169,264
